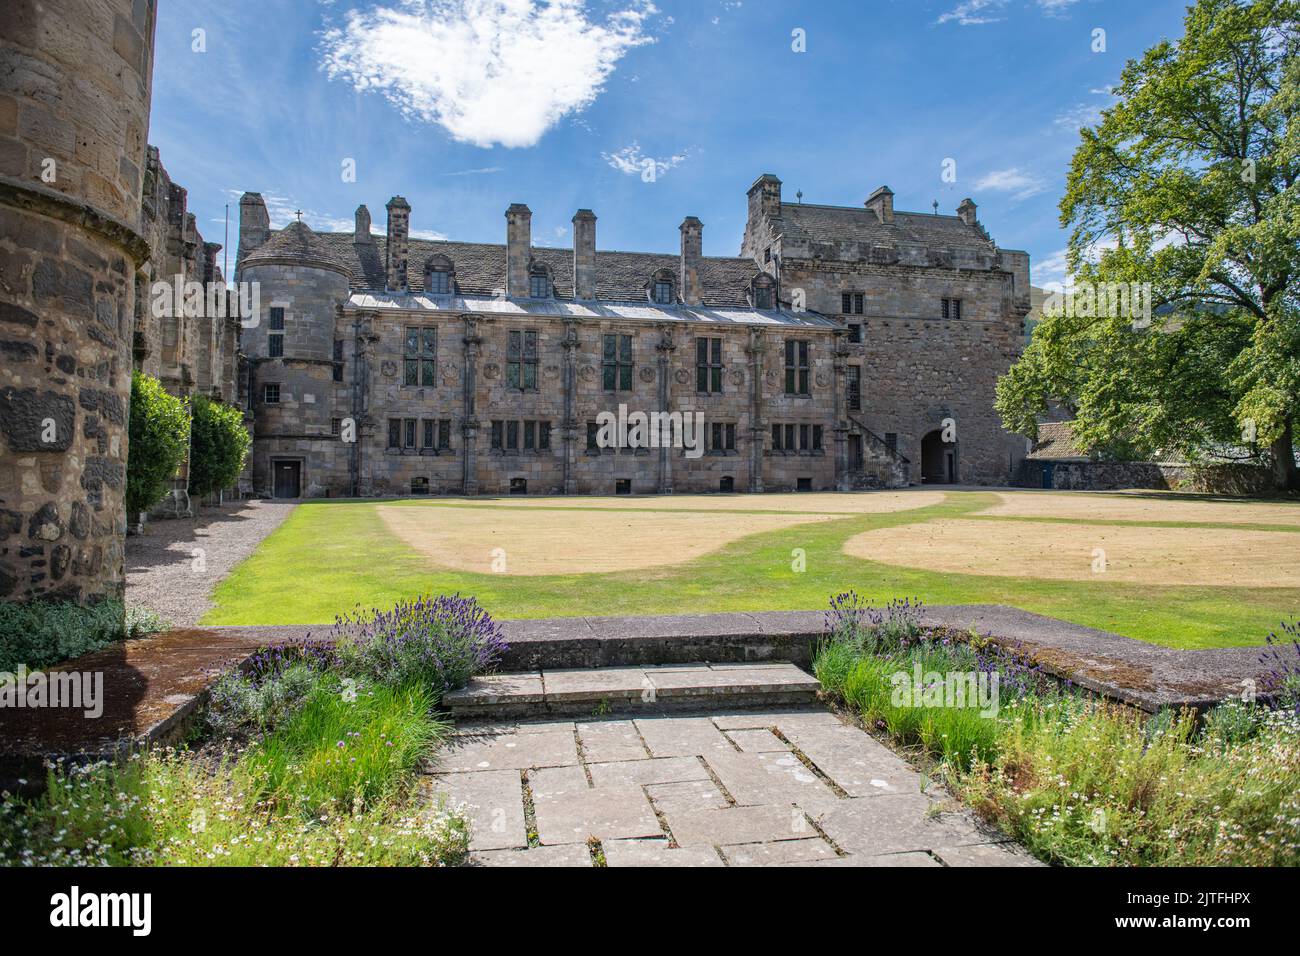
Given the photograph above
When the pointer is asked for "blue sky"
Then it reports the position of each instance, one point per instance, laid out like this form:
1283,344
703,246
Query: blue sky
465,106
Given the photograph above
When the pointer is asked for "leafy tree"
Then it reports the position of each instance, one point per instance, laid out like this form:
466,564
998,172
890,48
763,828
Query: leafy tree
219,446
159,438
1188,182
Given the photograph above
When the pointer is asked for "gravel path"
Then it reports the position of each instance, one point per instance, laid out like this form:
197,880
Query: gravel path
175,565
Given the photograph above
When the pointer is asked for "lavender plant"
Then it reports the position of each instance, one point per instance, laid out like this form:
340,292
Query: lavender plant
441,642
1282,657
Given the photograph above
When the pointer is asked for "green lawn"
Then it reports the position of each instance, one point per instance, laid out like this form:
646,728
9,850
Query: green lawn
329,557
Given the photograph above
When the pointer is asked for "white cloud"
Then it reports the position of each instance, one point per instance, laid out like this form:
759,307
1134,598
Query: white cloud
973,12
1056,8
1079,116
481,171
1021,184
630,160
487,71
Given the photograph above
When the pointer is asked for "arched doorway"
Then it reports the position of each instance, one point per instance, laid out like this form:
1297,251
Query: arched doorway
938,460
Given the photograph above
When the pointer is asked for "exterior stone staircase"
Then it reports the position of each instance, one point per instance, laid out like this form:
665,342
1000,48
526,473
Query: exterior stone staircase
643,690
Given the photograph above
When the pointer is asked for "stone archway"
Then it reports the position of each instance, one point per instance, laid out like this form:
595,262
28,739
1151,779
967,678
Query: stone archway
938,460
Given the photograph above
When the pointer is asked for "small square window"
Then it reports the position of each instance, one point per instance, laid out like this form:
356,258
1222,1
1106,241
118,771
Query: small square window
663,293
336,426
855,332
271,394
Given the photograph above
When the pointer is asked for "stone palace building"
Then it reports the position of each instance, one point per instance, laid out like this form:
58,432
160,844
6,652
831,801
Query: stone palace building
846,347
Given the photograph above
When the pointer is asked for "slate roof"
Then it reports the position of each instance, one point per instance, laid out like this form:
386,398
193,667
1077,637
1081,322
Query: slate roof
859,224
1056,443
480,268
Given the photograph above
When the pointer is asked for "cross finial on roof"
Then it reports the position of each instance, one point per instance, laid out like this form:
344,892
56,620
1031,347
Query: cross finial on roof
799,195
935,204
298,213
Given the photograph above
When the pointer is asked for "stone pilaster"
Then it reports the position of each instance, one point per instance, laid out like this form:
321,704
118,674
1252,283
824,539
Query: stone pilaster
469,428
569,427
757,427
664,371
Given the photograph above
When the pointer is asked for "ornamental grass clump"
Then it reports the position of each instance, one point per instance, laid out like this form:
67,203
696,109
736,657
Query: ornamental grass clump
441,642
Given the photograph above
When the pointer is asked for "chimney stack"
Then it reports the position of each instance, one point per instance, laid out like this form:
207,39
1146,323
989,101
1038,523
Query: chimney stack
692,290
765,198
519,241
584,254
398,248
881,202
254,225
966,212
362,233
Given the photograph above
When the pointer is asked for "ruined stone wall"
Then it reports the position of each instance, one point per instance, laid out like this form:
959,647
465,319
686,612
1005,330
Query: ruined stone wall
75,88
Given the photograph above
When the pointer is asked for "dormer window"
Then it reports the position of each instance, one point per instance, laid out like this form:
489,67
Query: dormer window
539,285
763,296
663,292
438,275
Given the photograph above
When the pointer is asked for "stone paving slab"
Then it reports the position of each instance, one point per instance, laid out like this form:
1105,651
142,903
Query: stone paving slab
759,741
567,855
686,795
609,741
682,736
494,800
569,810
781,852
760,824
641,773
657,852
514,751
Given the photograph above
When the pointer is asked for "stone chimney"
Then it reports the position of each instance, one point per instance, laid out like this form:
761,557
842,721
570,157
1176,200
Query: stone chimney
254,225
966,212
210,268
399,243
692,289
765,198
584,254
362,232
881,202
519,242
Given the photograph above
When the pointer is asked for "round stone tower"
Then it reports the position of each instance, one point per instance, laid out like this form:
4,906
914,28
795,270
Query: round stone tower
75,83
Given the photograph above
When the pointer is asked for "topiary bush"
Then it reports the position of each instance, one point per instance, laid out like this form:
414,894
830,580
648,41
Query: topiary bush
219,445
159,436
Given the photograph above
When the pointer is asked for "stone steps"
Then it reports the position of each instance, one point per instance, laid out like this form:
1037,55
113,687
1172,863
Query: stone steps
634,690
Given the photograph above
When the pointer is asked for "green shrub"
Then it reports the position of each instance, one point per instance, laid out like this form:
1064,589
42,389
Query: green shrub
346,746
169,809
240,704
159,439
40,633
219,445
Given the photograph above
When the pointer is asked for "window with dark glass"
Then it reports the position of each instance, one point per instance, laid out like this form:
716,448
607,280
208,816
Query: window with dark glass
512,436
530,436
394,433
277,318
857,303
271,394
853,381
498,430
616,363
804,443
428,433
951,308
846,302
817,438
275,346
776,438
544,436
762,296
891,441
419,357
338,360
336,426
723,437
439,282
539,286
796,367
663,292
592,432
521,360
788,443
708,365
855,332
408,433
444,433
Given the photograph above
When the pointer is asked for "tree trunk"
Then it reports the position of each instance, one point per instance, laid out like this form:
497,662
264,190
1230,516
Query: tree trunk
1285,475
